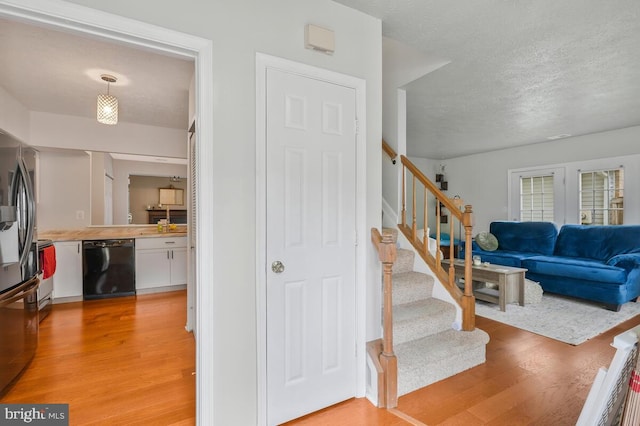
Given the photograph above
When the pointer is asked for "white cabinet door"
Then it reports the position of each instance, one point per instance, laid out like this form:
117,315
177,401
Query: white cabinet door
67,280
161,262
153,268
179,266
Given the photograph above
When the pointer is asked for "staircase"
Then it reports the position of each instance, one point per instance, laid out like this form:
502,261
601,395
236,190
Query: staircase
427,348
419,345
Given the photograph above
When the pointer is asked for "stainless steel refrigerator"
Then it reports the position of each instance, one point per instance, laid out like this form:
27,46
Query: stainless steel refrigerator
18,260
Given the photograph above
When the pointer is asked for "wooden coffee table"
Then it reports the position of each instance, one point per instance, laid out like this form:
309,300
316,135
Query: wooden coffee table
510,282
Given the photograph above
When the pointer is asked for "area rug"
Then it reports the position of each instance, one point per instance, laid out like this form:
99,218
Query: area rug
561,318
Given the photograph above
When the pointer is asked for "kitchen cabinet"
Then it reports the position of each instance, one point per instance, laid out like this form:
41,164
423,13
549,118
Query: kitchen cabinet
161,262
67,280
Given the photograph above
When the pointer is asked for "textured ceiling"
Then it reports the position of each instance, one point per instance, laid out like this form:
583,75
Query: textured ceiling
59,72
519,71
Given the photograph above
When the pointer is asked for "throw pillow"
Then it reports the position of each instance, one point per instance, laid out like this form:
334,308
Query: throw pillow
487,241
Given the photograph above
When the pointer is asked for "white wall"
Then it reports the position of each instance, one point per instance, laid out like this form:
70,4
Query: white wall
482,179
402,64
98,167
65,182
14,117
239,29
70,132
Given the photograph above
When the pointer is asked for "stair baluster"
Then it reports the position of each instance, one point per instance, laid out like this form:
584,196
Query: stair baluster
465,299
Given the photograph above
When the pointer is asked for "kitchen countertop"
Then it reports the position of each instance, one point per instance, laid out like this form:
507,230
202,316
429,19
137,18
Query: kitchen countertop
109,232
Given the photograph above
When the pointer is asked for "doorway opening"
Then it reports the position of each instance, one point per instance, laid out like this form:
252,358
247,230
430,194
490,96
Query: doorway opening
90,22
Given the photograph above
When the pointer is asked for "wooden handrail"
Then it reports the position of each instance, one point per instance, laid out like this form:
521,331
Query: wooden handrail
465,299
389,151
385,245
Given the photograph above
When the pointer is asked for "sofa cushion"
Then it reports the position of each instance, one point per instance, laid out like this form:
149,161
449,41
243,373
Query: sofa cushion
599,242
487,241
579,268
527,237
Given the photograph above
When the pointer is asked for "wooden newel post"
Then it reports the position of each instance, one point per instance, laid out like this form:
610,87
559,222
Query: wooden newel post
387,254
468,300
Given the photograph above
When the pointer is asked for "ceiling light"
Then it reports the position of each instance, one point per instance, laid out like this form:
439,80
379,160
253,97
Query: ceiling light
107,104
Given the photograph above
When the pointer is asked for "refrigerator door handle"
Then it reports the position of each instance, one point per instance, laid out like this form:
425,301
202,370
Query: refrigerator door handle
22,291
21,182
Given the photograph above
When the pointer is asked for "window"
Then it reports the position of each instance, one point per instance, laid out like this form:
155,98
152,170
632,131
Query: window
601,197
537,195
536,198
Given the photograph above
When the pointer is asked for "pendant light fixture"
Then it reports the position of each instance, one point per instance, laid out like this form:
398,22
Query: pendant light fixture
107,104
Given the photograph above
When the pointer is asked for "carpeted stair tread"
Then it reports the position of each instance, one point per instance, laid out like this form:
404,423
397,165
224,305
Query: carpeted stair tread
404,261
421,318
427,360
411,286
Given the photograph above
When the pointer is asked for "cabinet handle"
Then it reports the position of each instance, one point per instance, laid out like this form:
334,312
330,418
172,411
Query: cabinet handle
172,254
169,242
167,254
78,247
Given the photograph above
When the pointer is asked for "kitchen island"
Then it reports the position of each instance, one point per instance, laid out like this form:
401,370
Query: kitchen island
110,232
160,258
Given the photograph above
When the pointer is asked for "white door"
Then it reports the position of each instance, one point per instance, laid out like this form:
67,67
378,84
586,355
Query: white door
311,199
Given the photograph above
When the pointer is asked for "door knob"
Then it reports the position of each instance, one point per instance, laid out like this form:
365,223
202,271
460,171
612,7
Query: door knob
277,267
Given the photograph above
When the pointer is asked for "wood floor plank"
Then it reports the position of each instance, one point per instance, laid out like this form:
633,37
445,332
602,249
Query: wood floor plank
121,361
527,380
129,361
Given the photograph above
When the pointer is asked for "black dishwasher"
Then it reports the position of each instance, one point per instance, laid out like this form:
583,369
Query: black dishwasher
108,268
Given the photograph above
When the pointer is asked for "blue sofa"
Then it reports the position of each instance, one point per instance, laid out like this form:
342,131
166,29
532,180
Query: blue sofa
593,262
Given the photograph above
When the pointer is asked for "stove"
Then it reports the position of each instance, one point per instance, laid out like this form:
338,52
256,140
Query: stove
45,290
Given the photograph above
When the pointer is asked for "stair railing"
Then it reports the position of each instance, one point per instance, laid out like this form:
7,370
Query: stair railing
385,358
432,196
389,151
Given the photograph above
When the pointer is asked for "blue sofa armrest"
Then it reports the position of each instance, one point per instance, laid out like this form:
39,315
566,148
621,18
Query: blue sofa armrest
626,261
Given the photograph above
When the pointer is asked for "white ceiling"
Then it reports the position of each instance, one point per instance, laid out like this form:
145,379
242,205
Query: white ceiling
59,72
519,71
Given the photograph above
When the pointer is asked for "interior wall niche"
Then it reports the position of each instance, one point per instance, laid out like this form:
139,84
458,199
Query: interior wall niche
144,195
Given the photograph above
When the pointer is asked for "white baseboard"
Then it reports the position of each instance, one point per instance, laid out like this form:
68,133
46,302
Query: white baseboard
68,299
161,289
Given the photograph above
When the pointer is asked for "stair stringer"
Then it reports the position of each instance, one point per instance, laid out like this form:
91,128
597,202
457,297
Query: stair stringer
439,291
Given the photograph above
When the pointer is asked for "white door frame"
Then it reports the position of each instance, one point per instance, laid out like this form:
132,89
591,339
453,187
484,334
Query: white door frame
81,19
263,62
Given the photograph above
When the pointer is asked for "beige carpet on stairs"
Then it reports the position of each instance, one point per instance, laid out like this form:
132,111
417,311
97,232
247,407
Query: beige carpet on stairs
427,346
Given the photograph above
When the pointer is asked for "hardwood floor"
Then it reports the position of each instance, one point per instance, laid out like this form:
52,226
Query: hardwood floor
129,361
527,380
121,361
